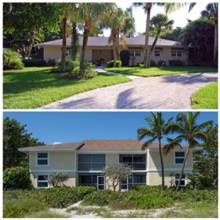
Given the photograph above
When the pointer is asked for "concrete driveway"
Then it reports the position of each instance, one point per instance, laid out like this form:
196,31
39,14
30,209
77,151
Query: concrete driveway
165,92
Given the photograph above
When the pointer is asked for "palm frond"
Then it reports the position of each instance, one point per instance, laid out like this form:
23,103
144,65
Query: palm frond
148,142
144,133
172,143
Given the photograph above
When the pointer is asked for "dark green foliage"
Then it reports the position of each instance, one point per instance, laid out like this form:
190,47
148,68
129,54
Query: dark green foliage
174,34
35,62
113,63
161,63
201,182
16,178
16,136
176,63
19,203
12,59
90,71
51,62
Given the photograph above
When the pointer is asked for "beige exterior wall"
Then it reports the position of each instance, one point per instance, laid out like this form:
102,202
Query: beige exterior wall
165,54
169,160
54,52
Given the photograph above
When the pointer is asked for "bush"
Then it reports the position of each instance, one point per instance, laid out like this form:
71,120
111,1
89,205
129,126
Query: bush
161,63
35,62
62,197
12,59
176,63
51,62
201,182
16,177
90,71
152,63
58,179
113,63
69,66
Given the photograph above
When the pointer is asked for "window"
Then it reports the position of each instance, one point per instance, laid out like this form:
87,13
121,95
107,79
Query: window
183,180
135,53
135,162
157,53
179,157
42,159
176,53
88,162
42,181
135,179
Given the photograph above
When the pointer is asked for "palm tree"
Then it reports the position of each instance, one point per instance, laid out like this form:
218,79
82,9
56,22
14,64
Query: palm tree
211,12
75,18
157,130
159,22
188,130
147,8
120,22
91,13
64,45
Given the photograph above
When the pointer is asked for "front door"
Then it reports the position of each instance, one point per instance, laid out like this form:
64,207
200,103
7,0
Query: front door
124,185
100,182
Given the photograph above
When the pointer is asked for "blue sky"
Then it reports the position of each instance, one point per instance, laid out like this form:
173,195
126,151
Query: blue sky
67,127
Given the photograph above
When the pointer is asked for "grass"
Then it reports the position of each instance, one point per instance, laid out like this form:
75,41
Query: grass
37,86
161,71
47,214
206,98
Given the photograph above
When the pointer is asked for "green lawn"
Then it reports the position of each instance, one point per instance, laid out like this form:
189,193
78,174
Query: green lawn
161,71
37,86
206,98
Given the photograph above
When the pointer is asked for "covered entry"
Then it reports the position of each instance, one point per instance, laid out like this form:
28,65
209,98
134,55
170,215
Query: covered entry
101,56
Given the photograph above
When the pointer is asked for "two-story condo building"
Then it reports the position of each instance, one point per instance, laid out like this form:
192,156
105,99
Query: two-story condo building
85,162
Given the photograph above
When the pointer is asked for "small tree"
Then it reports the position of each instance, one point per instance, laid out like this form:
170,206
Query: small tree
117,173
57,179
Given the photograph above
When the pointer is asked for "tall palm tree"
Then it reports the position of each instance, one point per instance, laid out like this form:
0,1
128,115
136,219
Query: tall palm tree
147,8
189,130
157,129
211,12
75,19
91,13
159,22
121,22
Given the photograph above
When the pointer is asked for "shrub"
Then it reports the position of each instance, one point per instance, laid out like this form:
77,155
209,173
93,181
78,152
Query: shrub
69,66
62,197
152,63
34,62
176,63
58,179
161,63
12,59
113,63
51,62
90,71
201,182
16,177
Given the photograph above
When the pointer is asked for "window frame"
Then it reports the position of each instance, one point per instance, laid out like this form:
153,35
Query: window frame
37,158
43,181
132,163
179,157
157,52
176,53
134,52
90,163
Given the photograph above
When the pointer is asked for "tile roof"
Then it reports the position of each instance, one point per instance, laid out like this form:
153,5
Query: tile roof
104,42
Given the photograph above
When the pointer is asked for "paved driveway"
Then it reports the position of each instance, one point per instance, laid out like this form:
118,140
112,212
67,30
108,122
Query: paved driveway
166,92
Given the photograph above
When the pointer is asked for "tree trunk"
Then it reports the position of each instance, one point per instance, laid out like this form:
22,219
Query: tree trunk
146,48
162,164
74,42
63,58
215,55
33,34
153,46
182,171
117,46
85,40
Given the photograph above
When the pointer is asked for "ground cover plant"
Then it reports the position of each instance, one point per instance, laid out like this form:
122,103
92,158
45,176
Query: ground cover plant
161,71
35,87
20,203
206,98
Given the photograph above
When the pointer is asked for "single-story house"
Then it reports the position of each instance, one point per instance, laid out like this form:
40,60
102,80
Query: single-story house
99,50
85,163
